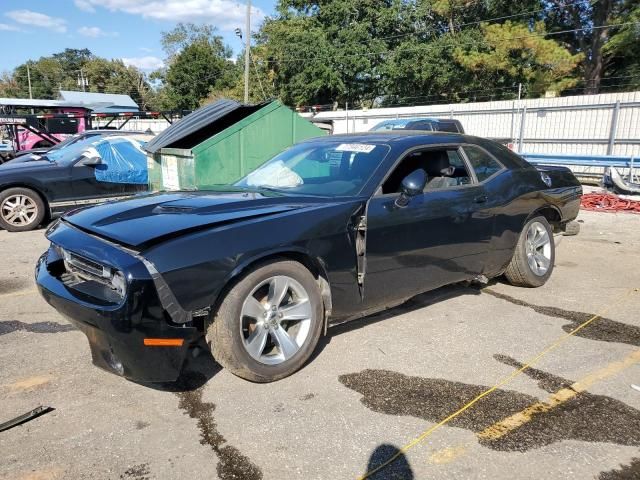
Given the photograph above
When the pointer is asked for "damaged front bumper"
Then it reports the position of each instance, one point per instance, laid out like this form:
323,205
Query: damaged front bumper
130,334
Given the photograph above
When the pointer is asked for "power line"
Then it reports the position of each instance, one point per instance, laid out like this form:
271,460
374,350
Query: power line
264,95
426,48
497,19
488,91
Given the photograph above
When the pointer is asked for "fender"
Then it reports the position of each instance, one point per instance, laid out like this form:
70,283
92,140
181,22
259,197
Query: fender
295,253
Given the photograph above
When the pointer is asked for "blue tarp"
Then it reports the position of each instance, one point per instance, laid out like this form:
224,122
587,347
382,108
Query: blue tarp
122,157
123,161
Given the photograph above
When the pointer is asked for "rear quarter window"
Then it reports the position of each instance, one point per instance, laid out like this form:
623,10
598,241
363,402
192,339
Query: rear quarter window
483,164
451,127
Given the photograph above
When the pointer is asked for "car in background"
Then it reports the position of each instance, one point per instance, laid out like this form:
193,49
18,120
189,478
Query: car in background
37,153
6,150
89,169
428,124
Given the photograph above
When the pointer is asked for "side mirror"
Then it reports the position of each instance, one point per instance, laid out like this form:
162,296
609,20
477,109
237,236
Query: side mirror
91,162
412,185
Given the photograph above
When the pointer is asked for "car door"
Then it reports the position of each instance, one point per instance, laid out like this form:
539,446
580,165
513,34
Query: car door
86,188
440,237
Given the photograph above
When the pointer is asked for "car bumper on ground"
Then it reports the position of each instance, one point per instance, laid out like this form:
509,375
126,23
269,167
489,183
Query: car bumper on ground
132,339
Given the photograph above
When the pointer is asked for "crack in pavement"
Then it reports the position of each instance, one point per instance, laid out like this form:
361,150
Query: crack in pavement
232,465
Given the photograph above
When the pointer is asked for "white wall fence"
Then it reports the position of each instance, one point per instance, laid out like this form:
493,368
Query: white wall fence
605,124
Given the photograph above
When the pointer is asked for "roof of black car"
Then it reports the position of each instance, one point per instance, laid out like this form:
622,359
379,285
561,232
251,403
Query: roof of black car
403,138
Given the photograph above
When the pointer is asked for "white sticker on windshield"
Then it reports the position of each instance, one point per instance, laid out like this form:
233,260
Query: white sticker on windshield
355,147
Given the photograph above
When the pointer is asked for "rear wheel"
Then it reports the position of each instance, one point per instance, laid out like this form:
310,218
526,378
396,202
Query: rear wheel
269,323
21,209
534,256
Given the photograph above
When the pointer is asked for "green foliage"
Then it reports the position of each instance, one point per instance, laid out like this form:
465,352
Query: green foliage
405,51
61,71
622,51
513,53
372,52
198,62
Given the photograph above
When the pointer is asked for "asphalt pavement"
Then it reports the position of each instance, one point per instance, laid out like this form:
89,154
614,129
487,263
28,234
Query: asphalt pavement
437,384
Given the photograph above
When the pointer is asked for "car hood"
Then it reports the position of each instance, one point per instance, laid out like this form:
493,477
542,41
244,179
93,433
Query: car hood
149,219
20,165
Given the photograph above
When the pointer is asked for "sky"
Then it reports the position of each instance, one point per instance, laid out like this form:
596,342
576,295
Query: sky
126,29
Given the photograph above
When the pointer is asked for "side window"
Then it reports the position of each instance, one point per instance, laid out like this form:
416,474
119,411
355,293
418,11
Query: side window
419,125
444,167
483,164
445,126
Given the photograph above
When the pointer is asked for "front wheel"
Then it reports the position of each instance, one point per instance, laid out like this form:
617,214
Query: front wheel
21,209
269,323
534,256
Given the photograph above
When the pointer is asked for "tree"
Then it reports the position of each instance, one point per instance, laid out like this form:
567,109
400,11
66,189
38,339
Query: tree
113,76
72,59
428,72
622,51
61,71
587,31
199,62
514,53
9,88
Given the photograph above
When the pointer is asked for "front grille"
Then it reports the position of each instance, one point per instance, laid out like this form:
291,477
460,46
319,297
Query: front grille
85,268
91,278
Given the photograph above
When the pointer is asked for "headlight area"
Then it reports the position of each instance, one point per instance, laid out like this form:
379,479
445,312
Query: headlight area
88,277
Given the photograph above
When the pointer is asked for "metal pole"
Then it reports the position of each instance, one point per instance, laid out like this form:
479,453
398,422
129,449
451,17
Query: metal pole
614,128
29,80
247,51
522,125
346,114
513,121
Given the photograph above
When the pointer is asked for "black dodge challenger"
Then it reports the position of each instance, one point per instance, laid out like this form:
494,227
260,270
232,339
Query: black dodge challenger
331,229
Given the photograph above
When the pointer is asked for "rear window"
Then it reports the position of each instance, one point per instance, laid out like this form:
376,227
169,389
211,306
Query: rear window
448,127
483,163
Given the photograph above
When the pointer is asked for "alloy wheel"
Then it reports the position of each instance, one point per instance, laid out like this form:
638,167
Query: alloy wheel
19,210
275,320
538,248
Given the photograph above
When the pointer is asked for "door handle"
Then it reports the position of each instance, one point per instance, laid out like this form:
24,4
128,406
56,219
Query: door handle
481,199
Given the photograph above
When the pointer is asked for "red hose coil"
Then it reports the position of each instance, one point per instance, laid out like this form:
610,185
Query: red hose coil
608,202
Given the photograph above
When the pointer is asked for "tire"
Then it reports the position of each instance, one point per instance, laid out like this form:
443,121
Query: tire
522,271
246,313
26,204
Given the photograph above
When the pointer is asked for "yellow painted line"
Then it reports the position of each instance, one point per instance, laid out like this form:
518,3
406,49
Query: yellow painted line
507,425
20,293
447,455
617,301
503,427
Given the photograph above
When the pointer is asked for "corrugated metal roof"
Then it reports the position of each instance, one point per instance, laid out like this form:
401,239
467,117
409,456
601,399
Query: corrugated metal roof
26,102
96,101
195,124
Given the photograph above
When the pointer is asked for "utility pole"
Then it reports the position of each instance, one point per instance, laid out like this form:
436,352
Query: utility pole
247,51
29,80
82,81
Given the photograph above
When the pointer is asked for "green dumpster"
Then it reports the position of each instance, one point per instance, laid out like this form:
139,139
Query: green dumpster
221,143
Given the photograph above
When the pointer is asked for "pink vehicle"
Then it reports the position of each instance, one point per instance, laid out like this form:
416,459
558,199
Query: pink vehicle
36,124
59,125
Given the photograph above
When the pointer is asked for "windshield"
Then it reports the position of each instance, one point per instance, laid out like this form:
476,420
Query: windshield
72,152
391,124
319,168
